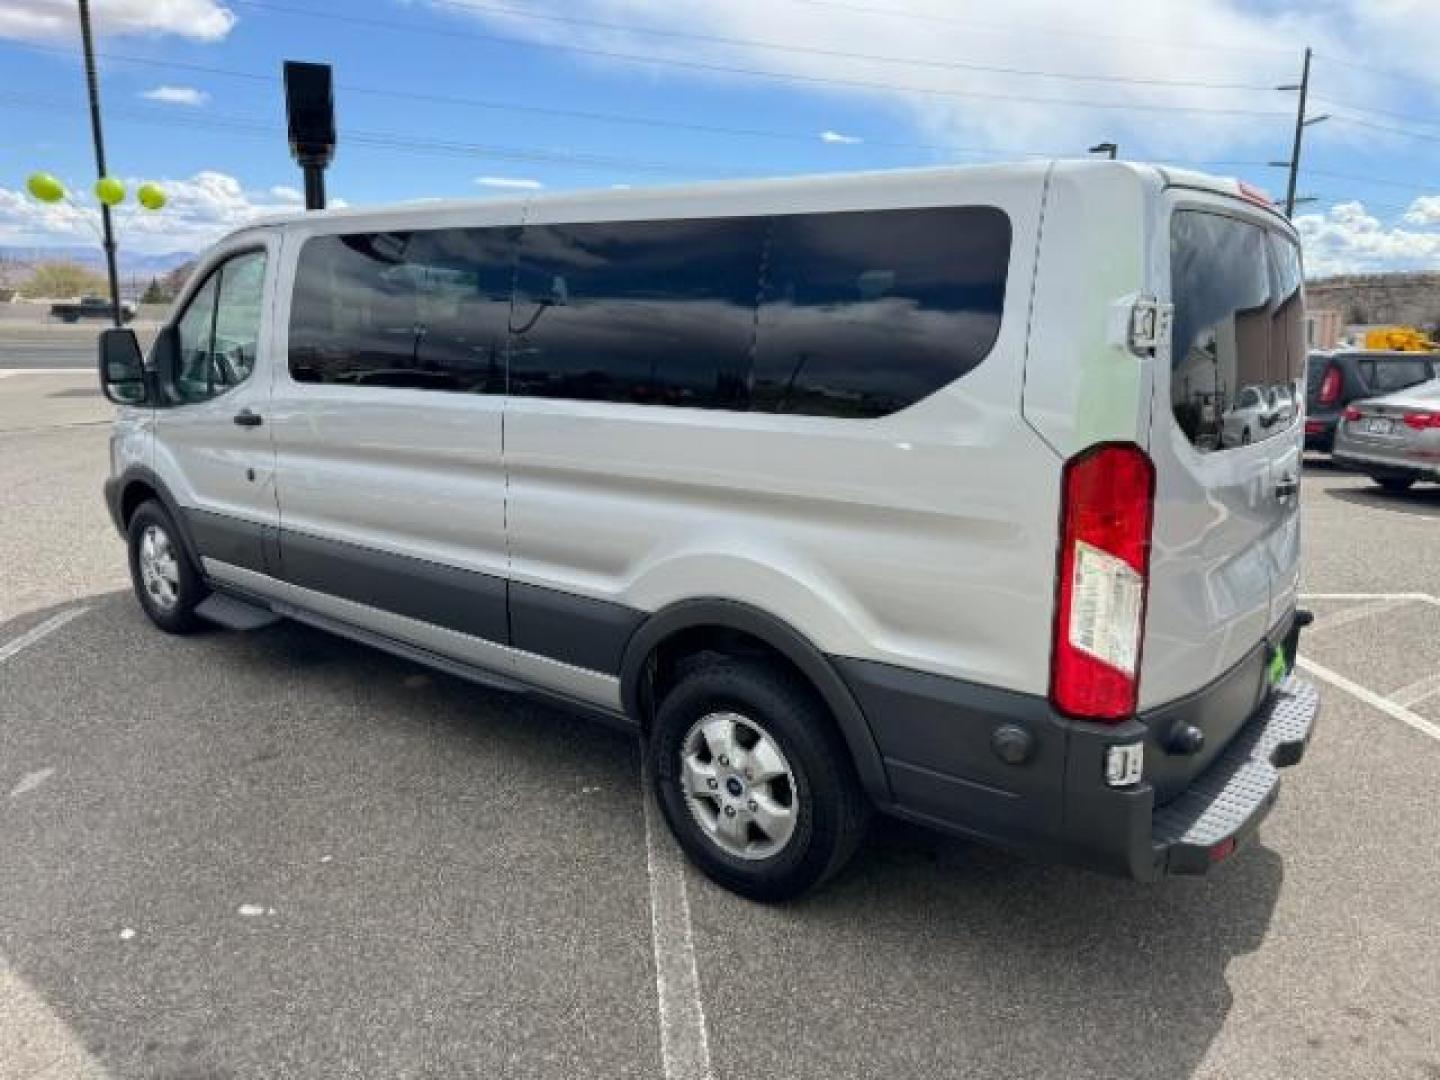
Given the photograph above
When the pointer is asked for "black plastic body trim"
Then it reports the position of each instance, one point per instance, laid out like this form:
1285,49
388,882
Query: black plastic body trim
575,630
229,539
937,737
118,487
466,601
784,639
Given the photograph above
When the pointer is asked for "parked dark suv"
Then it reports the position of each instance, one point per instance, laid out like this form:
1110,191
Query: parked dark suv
1334,379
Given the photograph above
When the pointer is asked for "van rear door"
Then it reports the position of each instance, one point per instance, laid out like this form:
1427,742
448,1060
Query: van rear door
1225,561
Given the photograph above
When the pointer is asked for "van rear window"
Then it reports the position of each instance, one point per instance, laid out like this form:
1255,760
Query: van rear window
1239,338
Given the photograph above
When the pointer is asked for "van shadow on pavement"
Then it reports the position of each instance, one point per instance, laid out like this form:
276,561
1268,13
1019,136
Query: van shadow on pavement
482,906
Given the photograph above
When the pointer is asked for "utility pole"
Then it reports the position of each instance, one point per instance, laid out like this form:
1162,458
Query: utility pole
1301,123
93,85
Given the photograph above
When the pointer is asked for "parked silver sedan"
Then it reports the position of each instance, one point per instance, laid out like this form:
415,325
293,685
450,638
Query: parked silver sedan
1395,438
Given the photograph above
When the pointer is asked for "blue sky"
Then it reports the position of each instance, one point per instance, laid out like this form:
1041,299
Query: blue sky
473,97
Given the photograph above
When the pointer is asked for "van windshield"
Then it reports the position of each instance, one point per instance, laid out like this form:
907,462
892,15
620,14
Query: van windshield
1239,338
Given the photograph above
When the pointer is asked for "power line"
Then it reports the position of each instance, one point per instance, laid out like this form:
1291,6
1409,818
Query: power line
1013,28
1355,121
808,50
792,77
1365,110
607,117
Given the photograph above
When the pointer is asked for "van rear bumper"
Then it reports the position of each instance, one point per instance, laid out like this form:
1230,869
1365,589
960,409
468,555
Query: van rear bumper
1227,802
944,756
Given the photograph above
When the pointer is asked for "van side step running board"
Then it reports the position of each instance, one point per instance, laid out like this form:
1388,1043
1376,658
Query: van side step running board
235,614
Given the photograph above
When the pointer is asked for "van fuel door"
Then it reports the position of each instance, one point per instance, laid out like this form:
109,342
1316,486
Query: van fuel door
1140,323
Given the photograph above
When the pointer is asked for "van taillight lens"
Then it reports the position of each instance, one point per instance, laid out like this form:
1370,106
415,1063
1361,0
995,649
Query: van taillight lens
1422,420
1103,573
1330,386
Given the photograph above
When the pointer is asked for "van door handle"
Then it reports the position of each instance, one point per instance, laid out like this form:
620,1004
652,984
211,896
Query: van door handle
246,418
1287,488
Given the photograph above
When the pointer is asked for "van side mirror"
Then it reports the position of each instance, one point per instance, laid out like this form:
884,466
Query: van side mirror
122,369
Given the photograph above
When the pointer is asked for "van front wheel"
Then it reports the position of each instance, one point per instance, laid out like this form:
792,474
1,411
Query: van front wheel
166,582
754,780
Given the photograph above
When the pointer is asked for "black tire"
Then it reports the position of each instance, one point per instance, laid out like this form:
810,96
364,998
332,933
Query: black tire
832,810
1394,484
178,617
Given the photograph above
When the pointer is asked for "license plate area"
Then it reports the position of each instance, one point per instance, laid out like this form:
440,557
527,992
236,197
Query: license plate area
1379,425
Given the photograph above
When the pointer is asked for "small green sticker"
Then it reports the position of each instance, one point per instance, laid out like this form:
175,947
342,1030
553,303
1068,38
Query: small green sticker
1278,667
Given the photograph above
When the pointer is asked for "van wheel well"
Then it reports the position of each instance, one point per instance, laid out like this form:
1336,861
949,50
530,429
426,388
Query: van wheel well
130,501
686,649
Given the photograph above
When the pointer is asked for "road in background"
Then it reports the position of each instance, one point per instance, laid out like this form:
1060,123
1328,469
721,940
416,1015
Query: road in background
55,345
279,853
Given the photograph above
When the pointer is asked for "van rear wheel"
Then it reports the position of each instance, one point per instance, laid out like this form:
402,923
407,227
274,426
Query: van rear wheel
166,582
754,780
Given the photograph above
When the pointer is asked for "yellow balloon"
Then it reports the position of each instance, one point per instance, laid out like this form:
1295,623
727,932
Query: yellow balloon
45,187
109,191
151,196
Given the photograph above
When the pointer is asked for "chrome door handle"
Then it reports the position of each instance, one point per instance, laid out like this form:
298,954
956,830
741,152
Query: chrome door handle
246,418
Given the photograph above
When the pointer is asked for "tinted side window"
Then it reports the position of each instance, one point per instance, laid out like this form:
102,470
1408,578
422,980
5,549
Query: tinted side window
423,310
1239,322
655,313
866,313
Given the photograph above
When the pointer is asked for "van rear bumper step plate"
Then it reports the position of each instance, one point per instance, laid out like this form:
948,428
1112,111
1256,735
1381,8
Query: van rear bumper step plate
1227,802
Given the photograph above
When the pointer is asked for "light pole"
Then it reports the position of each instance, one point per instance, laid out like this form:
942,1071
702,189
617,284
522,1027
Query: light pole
108,240
1301,123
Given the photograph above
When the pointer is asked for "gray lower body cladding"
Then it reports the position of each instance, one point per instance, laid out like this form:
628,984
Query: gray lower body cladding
985,763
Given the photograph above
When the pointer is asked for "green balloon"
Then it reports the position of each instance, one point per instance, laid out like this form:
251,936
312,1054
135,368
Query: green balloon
45,187
109,191
151,196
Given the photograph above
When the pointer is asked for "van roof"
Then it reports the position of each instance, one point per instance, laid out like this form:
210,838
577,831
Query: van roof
851,181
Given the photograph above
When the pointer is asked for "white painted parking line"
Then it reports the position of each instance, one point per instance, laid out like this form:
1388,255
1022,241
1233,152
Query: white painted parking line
684,1044
1363,610
5,373
1417,691
38,633
1369,697
1420,597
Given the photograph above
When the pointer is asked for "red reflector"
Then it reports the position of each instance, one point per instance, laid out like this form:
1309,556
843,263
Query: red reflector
1251,193
1222,850
1352,413
1330,386
1102,577
1314,427
1422,420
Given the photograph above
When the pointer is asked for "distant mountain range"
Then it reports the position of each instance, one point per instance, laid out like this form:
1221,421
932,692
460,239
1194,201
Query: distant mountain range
131,263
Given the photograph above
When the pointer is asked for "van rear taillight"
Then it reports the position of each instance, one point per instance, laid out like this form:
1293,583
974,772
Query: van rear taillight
1330,386
1103,573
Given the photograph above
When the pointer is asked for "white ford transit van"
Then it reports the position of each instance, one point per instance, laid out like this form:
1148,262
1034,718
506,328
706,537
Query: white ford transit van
913,492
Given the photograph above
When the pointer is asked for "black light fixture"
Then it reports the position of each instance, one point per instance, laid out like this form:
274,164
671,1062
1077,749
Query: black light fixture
310,112
1108,148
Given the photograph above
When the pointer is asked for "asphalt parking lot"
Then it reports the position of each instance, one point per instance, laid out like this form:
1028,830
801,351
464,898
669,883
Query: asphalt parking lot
282,854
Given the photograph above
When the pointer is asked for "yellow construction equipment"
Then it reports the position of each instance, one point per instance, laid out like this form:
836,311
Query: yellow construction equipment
1400,339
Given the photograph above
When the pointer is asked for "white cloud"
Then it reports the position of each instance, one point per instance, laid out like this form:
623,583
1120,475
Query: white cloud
1348,238
177,95
287,194
1424,211
839,139
198,212
512,183
198,20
